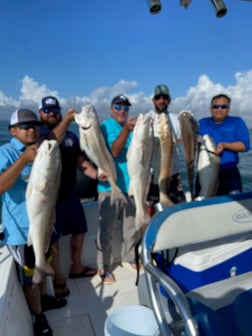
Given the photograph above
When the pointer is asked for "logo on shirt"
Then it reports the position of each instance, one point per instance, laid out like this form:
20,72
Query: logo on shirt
68,142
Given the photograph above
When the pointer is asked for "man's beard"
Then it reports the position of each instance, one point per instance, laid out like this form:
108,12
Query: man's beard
51,125
161,109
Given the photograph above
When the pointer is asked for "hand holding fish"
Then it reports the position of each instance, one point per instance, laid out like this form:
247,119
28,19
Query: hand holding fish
30,153
102,175
130,123
219,148
70,114
59,131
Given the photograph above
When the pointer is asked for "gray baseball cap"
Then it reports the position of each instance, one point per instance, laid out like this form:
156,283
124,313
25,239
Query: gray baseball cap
24,116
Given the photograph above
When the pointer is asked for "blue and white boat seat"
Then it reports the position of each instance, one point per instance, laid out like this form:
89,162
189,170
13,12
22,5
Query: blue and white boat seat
197,258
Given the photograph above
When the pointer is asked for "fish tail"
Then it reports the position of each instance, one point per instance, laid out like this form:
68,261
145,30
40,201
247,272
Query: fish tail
117,195
40,272
37,276
164,199
142,221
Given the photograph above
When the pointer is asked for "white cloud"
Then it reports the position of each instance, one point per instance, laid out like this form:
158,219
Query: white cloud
197,97
32,91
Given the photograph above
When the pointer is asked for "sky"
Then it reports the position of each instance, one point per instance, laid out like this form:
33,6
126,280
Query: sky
88,51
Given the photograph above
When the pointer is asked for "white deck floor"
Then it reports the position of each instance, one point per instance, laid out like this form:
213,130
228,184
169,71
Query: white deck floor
90,302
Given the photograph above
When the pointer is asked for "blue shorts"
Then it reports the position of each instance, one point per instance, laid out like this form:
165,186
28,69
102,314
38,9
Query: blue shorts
70,218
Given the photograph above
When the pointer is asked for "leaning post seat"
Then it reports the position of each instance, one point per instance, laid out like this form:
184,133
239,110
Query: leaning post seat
200,255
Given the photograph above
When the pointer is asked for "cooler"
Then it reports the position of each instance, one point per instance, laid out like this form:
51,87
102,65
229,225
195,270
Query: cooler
199,265
201,271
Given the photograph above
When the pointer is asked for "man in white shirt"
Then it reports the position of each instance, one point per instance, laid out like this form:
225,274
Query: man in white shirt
161,100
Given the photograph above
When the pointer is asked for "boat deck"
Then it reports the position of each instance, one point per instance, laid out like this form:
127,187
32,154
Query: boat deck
90,302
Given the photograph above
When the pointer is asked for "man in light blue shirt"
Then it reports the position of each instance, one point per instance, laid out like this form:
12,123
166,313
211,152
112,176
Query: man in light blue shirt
16,159
15,220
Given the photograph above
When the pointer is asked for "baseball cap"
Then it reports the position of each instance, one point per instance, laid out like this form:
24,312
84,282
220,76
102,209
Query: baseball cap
120,99
161,89
49,101
22,116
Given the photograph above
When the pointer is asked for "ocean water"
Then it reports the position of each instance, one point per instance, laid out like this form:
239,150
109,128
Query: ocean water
245,164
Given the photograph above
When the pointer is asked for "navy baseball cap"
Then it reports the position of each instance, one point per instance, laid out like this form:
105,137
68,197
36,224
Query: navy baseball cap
120,99
49,101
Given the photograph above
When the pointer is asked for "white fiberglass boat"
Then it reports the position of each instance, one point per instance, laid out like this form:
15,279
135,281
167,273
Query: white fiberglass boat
197,277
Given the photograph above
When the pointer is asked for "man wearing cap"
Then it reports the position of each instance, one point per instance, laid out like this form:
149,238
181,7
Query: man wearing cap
16,159
70,217
119,217
161,100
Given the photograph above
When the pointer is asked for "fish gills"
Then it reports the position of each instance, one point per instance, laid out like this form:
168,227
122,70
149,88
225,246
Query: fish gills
138,164
208,167
41,196
166,147
189,127
92,142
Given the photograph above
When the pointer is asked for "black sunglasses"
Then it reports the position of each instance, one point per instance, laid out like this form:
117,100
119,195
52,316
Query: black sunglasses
55,110
26,126
164,96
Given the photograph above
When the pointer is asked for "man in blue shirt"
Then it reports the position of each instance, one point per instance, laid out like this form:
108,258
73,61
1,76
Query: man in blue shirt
117,132
16,159
231,136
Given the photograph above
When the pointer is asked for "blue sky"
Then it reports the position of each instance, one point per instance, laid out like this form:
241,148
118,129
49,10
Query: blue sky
89,51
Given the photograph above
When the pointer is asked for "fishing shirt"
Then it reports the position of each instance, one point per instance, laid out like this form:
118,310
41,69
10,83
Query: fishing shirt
111,130
14,214
176,135
232,129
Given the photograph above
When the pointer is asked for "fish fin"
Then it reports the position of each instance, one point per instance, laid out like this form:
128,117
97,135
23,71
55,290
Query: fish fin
41,186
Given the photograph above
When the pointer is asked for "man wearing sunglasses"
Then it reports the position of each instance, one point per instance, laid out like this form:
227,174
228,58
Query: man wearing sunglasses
161,100
16,158
70,217
119,217
231,136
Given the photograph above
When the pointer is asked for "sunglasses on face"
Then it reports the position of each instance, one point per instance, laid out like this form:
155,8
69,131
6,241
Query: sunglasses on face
119,107
28,126
157,97
224,106
54,110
